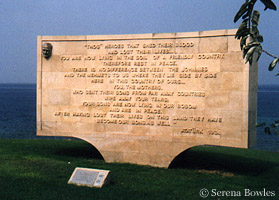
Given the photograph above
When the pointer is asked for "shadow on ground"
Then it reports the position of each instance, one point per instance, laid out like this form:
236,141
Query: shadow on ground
82,151
237,164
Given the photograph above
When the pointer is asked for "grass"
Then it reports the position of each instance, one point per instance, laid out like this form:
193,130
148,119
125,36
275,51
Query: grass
40,169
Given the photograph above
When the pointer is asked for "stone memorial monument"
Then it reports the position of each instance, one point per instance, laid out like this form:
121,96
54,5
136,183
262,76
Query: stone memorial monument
145,98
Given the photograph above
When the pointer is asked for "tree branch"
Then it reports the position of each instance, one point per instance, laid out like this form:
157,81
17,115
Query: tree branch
269,54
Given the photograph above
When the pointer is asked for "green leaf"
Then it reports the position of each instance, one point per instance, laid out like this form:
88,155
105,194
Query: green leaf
242,34
249,55
267,130
261,124
243,9
243,41
260,38
276,131
242,30
256,18
255,31
254,44
259,51
269,4
246,15
249,12
245,50
273,64
250,50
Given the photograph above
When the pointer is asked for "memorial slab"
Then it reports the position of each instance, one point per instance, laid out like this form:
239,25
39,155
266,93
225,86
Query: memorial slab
145,98
89,177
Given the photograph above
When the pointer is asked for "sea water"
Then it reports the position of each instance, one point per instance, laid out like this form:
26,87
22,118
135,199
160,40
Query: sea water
18,113
268,112
17,110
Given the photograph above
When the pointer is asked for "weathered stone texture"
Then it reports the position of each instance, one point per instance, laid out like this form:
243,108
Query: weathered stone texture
145,98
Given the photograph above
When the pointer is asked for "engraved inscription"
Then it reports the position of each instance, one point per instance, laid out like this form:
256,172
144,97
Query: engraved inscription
146,84
146,98
84,177
89,177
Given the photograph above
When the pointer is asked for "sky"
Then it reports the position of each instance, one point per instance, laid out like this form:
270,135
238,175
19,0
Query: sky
21,21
